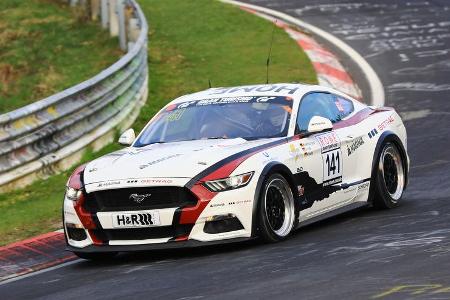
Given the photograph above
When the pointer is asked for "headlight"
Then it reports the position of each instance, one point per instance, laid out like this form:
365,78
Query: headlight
229,183
72,194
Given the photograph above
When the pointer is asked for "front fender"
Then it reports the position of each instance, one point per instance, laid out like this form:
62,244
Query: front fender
271,168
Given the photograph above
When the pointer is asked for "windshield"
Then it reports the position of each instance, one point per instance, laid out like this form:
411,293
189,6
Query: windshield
250,117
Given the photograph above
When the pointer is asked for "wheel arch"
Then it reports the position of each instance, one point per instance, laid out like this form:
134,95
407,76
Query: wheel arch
269,169
389,136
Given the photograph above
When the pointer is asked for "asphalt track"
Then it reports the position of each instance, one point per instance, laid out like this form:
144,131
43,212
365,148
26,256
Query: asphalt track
402,253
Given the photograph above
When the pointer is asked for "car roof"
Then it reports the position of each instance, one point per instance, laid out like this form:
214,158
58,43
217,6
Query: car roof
294,90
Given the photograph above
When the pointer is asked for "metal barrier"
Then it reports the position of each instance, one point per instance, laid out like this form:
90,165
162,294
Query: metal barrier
50,135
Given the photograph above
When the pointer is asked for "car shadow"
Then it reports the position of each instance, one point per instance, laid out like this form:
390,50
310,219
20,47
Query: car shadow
242,247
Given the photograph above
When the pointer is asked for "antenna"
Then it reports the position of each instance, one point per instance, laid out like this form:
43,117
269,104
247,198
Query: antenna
270,53
209,83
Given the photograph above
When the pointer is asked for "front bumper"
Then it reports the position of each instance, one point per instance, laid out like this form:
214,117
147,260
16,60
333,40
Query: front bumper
149,247
186,224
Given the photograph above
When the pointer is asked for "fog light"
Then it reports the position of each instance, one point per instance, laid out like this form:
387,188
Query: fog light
222,223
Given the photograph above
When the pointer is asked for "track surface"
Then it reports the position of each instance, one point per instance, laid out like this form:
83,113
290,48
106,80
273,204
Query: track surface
358,255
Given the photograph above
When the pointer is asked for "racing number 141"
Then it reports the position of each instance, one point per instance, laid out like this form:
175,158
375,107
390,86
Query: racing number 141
332,167
333,163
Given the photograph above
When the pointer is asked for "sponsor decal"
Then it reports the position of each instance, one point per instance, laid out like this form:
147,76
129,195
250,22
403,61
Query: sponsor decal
139,198
108,183
358,142
294,152
307,148
131,181
239,202
92,170
304,149
339,106
178,111
176,115
382,126
363,186
332,181
156,181
135,220
256,88
372,133
331,158
158,161
301,190
328,141
226,100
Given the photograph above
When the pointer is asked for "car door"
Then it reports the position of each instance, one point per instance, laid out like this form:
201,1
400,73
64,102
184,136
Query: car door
322,192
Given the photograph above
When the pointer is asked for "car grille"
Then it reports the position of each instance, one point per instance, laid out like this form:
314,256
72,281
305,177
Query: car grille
156,198
143,233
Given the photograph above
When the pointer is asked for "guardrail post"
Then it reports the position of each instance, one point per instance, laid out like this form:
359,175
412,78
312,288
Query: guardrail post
133,29
95,9
104,13
122,25
113,18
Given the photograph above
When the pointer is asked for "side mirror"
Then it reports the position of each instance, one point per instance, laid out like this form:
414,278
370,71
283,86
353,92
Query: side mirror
127,138
318,124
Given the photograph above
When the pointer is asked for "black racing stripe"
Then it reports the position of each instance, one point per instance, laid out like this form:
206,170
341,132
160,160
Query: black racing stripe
347,185
224,161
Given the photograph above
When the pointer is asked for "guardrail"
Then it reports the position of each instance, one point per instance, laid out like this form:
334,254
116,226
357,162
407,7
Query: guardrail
50,135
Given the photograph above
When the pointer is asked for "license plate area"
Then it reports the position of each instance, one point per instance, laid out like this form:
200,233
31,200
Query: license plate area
136,219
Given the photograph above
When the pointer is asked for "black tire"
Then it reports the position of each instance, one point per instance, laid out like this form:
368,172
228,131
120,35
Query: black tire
277,214
98,256
388,177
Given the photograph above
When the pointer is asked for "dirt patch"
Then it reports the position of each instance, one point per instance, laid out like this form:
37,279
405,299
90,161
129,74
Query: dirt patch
8,74
46,86
9,35
46,20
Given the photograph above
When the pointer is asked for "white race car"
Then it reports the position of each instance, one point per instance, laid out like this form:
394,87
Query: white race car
230,164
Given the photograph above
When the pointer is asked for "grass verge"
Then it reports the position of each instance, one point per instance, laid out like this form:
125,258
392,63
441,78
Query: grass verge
43,47
190,42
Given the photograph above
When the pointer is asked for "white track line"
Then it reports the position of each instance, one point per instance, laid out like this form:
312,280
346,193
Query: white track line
40,272
376,87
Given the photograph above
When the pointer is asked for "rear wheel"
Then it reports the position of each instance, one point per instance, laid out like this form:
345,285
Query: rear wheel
388,181
96,256
276,211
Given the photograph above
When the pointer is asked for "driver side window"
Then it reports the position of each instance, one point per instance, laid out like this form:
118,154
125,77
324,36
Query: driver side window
314,104
322,104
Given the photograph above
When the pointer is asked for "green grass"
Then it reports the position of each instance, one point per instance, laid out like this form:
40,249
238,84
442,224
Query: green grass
43,50
190,42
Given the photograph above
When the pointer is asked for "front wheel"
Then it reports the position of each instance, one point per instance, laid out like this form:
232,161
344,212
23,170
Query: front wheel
388,181
276,210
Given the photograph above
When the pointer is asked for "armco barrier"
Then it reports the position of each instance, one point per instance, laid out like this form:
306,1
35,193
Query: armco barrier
51,134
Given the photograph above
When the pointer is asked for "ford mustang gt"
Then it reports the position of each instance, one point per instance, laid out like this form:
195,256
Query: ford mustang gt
236,163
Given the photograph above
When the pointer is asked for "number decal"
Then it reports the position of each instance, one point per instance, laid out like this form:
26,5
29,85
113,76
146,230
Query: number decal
332,167
331,157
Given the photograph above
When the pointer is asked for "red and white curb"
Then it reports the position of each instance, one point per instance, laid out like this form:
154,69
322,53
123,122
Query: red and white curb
33,254
329,70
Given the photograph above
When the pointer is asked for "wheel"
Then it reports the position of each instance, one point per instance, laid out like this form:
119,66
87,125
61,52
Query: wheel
388,180
96,256
276,209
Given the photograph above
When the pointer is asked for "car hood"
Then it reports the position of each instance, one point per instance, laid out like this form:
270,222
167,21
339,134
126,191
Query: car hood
161,164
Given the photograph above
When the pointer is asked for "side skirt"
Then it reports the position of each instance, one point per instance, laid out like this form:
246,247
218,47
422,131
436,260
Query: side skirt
333,213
